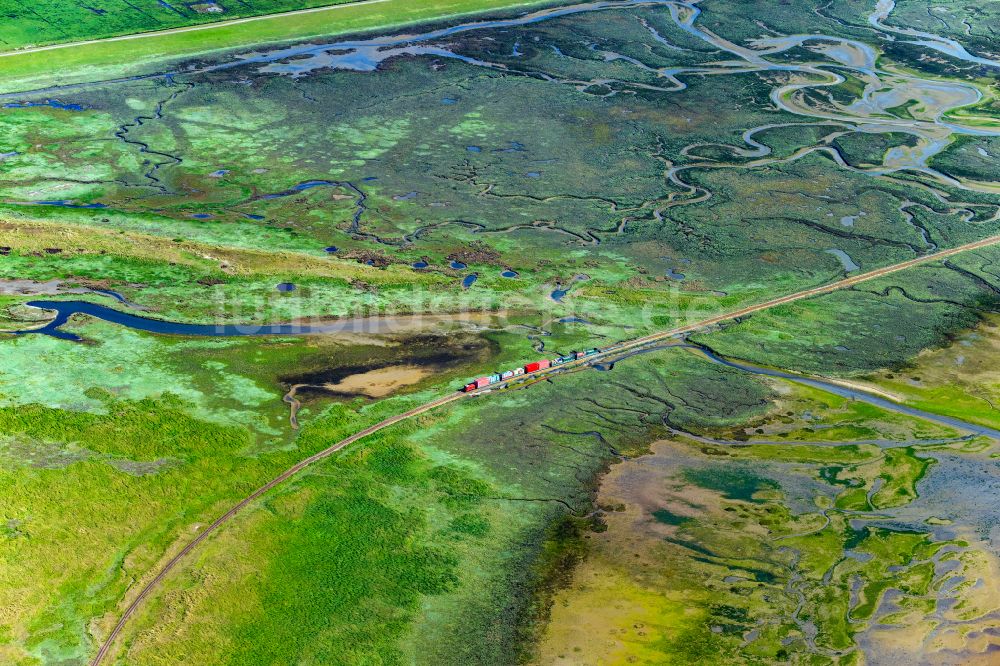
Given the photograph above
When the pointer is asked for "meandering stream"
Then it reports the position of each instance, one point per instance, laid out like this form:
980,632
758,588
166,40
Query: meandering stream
66,309
799,88
853,394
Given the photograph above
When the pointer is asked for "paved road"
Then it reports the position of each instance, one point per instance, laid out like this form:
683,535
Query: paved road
452,397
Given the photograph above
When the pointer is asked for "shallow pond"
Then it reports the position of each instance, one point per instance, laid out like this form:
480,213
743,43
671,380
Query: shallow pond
53,103
845,259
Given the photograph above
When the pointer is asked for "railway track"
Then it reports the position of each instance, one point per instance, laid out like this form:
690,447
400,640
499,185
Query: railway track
236,508
808,293
164,571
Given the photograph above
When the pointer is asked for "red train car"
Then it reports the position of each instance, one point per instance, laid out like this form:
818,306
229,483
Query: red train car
538,365
542,364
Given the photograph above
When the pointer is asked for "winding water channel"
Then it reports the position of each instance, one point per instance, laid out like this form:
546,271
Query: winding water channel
883,90
66,309
799,88
828,386
853,394
871,113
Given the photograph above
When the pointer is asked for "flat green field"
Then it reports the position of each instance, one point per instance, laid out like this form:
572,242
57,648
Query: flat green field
56,21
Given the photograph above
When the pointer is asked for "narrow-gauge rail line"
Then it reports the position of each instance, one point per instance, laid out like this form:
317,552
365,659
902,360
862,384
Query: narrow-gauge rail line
452,397
284,476
800,295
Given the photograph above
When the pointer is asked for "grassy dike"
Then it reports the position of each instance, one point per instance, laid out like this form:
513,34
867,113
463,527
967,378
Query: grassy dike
116,58
63,21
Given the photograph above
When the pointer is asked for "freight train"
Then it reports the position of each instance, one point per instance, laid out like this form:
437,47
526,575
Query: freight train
528,369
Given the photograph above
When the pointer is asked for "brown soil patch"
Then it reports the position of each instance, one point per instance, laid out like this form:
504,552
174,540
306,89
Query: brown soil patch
379,383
